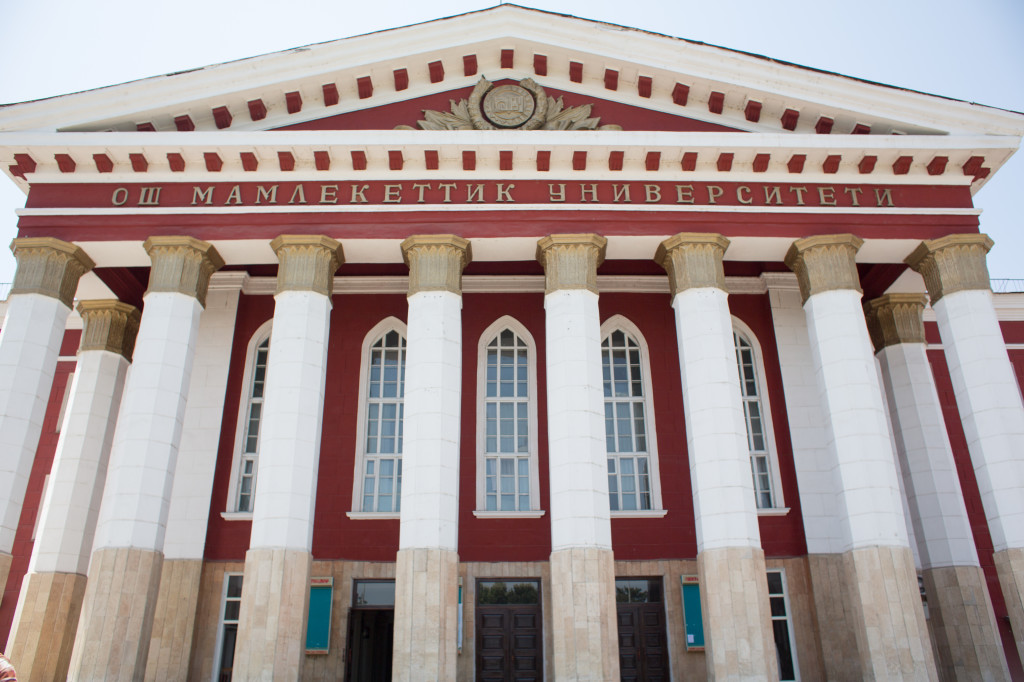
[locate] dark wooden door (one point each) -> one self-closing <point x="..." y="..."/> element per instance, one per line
<point x="509" y="644"/>
<point x="643" y="650"/>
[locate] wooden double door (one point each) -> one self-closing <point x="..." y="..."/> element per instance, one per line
<point x="643" y="646"/>
<point x="509" y="632"/>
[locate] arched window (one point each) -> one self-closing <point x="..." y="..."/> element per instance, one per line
<point x="507" y="477"/>
<point x="378" y="478"/>
<point x="757" y="417"/>
<point x="250" y="416"/>
<point x="628" y="419"/>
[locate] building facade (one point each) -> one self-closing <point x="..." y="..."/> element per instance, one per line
<point x="510" y="346"/>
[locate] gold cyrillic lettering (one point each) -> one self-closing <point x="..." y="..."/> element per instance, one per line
<point x="149" y="196"/>
<point x="714" y="191"/>
<point x="883" y="195"/>
<point x="270" y="195"/>
<point x="204" y="196"/>
<point x="799" y="194"/>
<point x="420" y="188"/>
<point x="328" y="194"/>
<point x="235" y="196"/>
<point x="298" y="195"/>
<point x="447" y="187"/>
<point x="741" y="191"/>
<point x="854" y="193"/>
<point x="588" y="190"/>
<point x="474" y="193"/>
<point x="652" y="193"/>
<point x="684" y="194"/>
<point x="827" y="196"/>
<point x="358" y="194"/>
<point x="773" y="195"/>
<point x="504" y="193"/>
<point x="558" y="194"/>
<point x="392" y="194"/>
<point x="621" y="194"/>
<point x="120" y="196"/>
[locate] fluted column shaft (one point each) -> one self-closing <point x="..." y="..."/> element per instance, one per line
<point x="426" y="574"/>
<point x="987" y="397"/>
<point x="124" y="572"/>
<point x="582" y="568"/>
<point x="275" y="588"/>
<point x="889" y="625"/>
<point x="30" y="337"/>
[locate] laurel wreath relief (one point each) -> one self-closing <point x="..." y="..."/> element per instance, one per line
<point x="549" y="113"/>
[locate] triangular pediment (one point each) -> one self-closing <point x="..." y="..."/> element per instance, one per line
<point x="706" y="87"/>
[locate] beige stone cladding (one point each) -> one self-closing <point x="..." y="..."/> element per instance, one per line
<point x="470" y="572"/>
<point x="45" y="622"/>
<point x="122" y="588"/>
<point x="275" y="602"/>
<point x="585" y="631"/>
<point x="426" y="597"/>
<point x="963" y="625"/>
<point x="886" y="614"/>
<point x="734" y="607"/>
<point x="1010" y="567"/>
<point x="170" y="647"/>
<point x="208" y="615"/>
<point x="5" y="567"/>
<point x="840" y="661"/>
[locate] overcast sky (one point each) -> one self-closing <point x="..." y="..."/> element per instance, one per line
<point x="967" y="50"/>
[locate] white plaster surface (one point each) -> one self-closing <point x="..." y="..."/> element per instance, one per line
<point x="937" y="510"/>
<point x="990" y="407"/>
<point x="67" y="523"/>
<point x="716" y="436"/>
<point x="868" y="498"/>
<point x="30" y="341"/>
<point x="806" y="420"/>
<point x="433" y="408"/>
<point x="577" y="455"/>
<point x="141" y="471"/>
<point x="200" y="436"/>
<point x="292" y="422"/>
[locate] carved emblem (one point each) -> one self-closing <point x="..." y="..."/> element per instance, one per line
<point x="522" y="107"/>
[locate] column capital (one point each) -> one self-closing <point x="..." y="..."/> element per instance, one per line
<point x="181" y="265"/>
<point x="895" y="318"/>
<point x="570" y="261"/>
<point x="307" y="263"/>
<point x="825" y="263"/>
<point x="49" y="266"/>
<point x="109" y="325"/>
<point x="952" y="263"/>
<point x="436" y="262"/>
<point x="693" y="260"/>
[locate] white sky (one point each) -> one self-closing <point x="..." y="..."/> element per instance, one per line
<point x="966" y="50"/>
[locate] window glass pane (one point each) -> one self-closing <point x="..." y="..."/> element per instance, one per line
<point x="507" y="592"/>
<point x="375" y="593"/>
<point x="235" y="587"/>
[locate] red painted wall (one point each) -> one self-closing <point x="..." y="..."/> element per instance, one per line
<point x="22" y="550"/>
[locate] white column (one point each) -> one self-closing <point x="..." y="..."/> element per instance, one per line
<point x="37" y="309"/>
<point x="50" y="602"/>
<point x="963" y="622"/>
<point x="889" y="625"/>
<point x="738" y="628"/>
<point x="987" y="396"/>
<point x="426" y="575"/>
<point x="127" y="552"/>
<point x="185" y="541"/>
<point x="275" y="589"/>
<point x="585" y="637"/>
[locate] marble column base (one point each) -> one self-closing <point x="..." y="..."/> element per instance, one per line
<point x="967" y="642"/>
<point x="5" y="569"/>
<point x="886" y="614"/>
<point x="117" y="615"/>
<point x="45" y="622"/>
<point x="272" y="624"/>
<point x="170" y="647"/>
<point x="1010" y="568"/>
<point x="835" y="629"/>
<point x="737" y="619"/>
<point x="584" y="628"/>
<point x="426" y="616"/>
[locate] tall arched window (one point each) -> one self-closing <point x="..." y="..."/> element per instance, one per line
<point x="628" y="419"/>
<point x="757" y="417"/>
<point x="378" y="477"/>
<point x="507" y="419"/>
<point x="245" y="465"/>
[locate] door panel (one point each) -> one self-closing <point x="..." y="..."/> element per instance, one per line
<point x="509" y="643"/>
<point x="643" y="649"/>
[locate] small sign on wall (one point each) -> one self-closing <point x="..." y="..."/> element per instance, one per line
<point x="318" y="625"/>
<point x="691" y="613"/>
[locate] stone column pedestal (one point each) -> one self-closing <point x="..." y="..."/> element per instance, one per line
<point x="585" y="637"/>
<point x="730" y="562"/>
<point x="45" y="622"/>
<point x="883" y="599"/>
<point x="30" y="337"/>
<point x="987" y="395"/>
<point x="124" y="574"/>
<point x="275" y="589"/>
<point x="426" y="577"/>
